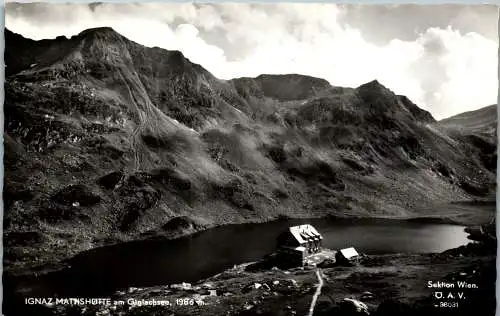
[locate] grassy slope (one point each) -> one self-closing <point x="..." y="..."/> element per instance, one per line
<point x="107" y="140"/>
<point x="481" y="120"/>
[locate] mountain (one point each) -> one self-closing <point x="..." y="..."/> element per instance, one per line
<point x="483" y="120"/>
<point x="108" y="141"/>
<point x="477" y="129"/>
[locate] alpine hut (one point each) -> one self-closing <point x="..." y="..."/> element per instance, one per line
<point x="297" y="242"/>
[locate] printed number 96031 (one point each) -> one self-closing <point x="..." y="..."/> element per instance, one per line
<point x="448" y="304"/>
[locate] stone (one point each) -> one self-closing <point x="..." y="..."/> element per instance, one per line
<point x="248" y="306"/>
<point x="183" y="286"/>
<point x="353" y="307"/>
<point x="327" y="263"/>
<point x="132" y="289"/>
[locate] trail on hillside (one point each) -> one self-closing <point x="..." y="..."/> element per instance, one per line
<point x="150" y="120"/>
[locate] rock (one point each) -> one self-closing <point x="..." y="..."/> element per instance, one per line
<point x="327" y="263"/>
<point x="367" y="295"/>
<point x="276" y="282"/>
<point x="212" y="292"/>
<point x="227" y="294"/>
<point x="351" y="306"/>
<point x="132" y="289"/>
<point x="207" y="285"/>
<point x="183" y="286"/>
<point x="247" y="288"/>
<point x="248" y="306"/>
<point x="289" y="283"/>
<point x="255" y="286"/>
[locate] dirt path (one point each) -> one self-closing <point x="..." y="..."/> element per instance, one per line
<point x="317" y="293"/>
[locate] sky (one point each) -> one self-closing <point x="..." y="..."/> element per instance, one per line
<point x="443" y="57"/>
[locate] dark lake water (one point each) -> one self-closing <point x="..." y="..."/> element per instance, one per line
<point x="140" y="264"/>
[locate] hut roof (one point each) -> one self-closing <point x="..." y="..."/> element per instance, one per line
<point x="302" y="233"/>
<point x="349" y="253"/>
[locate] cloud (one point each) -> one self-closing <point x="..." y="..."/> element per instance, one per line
<point x="440" y="68"/>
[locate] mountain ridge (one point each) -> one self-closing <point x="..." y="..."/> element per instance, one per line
<point x="111" y="141"/>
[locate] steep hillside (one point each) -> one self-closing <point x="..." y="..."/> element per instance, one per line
<point x="107" y="141"/>
<point x="477" y="133"/>
<point x="483" y="120"/>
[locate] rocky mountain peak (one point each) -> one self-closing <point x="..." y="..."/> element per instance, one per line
<point x="105" y="30"/>
<point x="373" y="89"/>
<point x="117" y="139"/>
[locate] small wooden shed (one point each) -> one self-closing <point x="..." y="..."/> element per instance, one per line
<point x="347" y="256"/>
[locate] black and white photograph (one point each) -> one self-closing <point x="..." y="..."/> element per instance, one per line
<point x="288" y="159"/>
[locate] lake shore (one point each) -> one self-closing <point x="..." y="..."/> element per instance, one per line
<point x="398" y="281"/>
<point x="384" y="283"/>
<point x="466" y="213"/>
